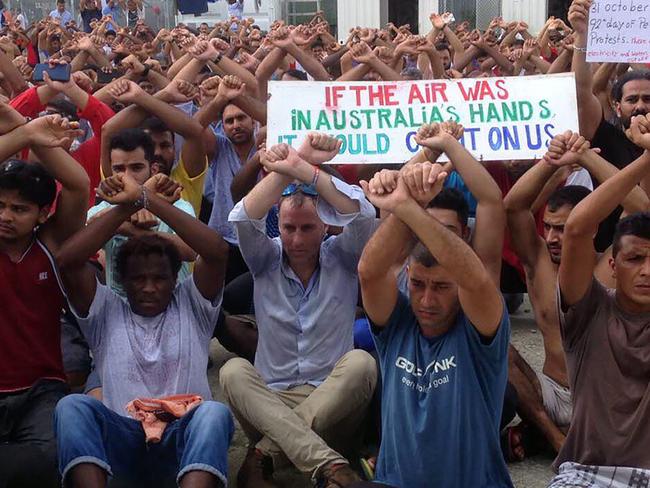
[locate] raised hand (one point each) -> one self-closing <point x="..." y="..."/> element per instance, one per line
<point x="164" y="187"/>
<point x="579" y="15"/>
<point x="319" y="148"/>
<point x="432" y="137"/>
<point x="181" y="91"/>
<point x="377" y="191"/>
<point x="126" y="91"/>
<point x="566" y="149"/>
<point x="210" y="86"/>
<point x="52" y="131"/>
<point x="231" y="87"/>
<point x="145" y="220"/>
<point x="453" y="128"/>
<point x="423" y="180"/>
<point x="362" y="53"/>
<point x="132" y="63"/>
<point x="639" y="131"/>
<point x="437" y="21"/>
<point x="282" y="159"/>
<point x="119" y="189"/>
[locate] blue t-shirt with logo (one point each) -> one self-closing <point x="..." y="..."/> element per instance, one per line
<point x="441" y="404"/>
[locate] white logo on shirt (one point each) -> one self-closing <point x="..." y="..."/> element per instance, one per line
<point x="432" y="369"/>
<point x="42" y="276"/>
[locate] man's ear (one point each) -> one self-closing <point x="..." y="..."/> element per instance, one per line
<point x="43" y="214"/>
<point x="467" y="233"/>
<point x="612" y="265"/>
<point x="617" y="107"/>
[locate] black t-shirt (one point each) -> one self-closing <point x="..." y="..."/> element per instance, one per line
<point x="614" y="145"/>
<point x="616" y="148"/>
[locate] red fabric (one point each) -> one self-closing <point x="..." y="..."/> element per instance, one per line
<point x="349" y="172"/>
<point x="32" y="55"/>
<point x="156" y="413"/>
<point x="30" y="321"/>
<point x="89" y="152"/>
<point x="505" y="183"/>
<point x="27" y="103"/>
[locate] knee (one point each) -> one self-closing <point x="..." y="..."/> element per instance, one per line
<point x="73" y="407"/>
<point x="361" y="369"/>
<point x="232" y="372"/>
<point x="213" y="416"/>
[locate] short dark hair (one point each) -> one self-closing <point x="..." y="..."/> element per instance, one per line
<point x="570" y="195"/>
<point x="296" y="73"/>
<point x="633" y="225"/>
<point x="452" y="199"/>
<point x="637" y="74"/>
<point x="441" y="46"/>
<point x="155" y="125"/>
<point x="65" y="108"/>
<point x="132" y="139"/>
<point x="423" y="256"/>
<point x="146" y="245"/>
<point x="31" y="180"/>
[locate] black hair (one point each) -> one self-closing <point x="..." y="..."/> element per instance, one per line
<point x="155" y="125"/>
<point x="296" y="73"/>
<point x="633" y="225"/>
<point x="452" y="199"/>
<point x="570" y="195"/>
<point x="441" y="46"/>
<point x="423" y="256"/>
<point x="637" y="74"/>
<point x="131" y="139"/>
<point x="64" y="108"/>
<point x="110" y="32"/>
<point x="412" y="73"/>
<point x="146" y="245"/>
<point x="31" y="180"/>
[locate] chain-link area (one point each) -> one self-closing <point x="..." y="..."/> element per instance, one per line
<point x="478" y="13"/>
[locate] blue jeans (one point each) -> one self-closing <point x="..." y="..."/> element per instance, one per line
<point x="89" y="432"/>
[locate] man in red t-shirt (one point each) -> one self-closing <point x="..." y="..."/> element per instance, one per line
<point x="31" y="371"/>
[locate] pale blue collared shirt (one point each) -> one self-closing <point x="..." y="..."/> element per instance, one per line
<point x="304" y="331"/>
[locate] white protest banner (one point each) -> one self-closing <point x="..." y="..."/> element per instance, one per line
<point x="504" y="118"/>
<point x="619" y="31"/>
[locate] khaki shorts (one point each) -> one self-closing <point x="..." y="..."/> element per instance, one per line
<point x="557" y="400"/>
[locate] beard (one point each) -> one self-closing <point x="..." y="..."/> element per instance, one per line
<point x="627" y="121"/>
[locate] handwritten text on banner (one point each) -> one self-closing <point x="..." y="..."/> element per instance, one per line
<point x="619" y="31"/>
<point x="504" y="118"/>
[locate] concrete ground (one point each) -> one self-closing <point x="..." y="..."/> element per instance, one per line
<point x="532" y="473"/>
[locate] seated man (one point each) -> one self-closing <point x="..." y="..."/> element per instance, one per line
<point x="605" y="337"/>
<point x="32" y="375"/>
<point x="544" y="397"/>
<point x="152" y="345"/>
<point x="443" y="351"/>
<point x="308" y="390"/>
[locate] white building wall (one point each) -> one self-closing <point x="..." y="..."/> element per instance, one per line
<point x="531" y="11"/>
<point x="363" y="13"/>
<point x="426" y="8"/>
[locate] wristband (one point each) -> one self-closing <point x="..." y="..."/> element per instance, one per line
<point x="580" y="49"/>
<point x="314" y="180"/>
<point x="145" y="73"/>
<point x="143" y="201"/>
<point x="218" y="59"/>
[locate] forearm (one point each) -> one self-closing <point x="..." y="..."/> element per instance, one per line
<point x="389" y="246"/>
<point x="307" y="61"/>
<point x="355" y="74"/>
<point x="265" y="194"/>
<point x="10" y="119"/>
<point x="602" y="76"/>
<point x="460" y="62"/>
<point x="13" y="142"/>
<point x="244" y="181"/>
<point x="79" y="61"/>
<point x="211" y="111"/>
<point x="269" y="64"/>
<point x="229" y="66"/>
<point x="454" y="42"/>
<point x="523" y="194"/>
<point x="450" y="251"/>
<point x="437" y="69"/>
<point x="84" y="244"/>
<point x="99" y="57"/>
<point x="11" y="74"/>
<point x="253" y="107"/>
<point x="178" y="65"/>
<point x="198" y="236"/>
<point x="476" y="177"/>
<point x="590" y="212"/>
<point x="158" y="80"/>
<point x="78" y="96"/>
<point x="635" y="201"/>
<point x="542" y="65"/>
<point x="385" y="71"/>
<point x="561" y="63"/>
<point x="335" y="58"/>
<point x="176" y="120"/>
<point x="190" y="70"/>
<point x="499" y="58"/>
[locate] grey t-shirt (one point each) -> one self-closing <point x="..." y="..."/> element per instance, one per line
<point x="608" y="361"/>
<point x="151" y="356"/>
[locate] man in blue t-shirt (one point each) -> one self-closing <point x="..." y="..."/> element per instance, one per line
<point x="443" y="352"/>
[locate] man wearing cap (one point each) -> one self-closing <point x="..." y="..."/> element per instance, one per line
<point x="308" y="389"/>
